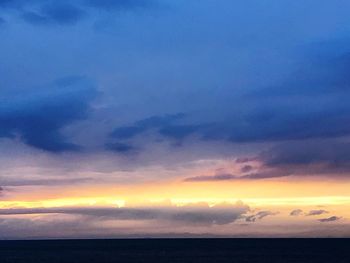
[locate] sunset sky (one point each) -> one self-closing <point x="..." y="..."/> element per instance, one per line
<point x="174" y="118"/>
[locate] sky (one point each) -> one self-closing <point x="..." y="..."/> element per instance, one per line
<point x="163" y="118"/>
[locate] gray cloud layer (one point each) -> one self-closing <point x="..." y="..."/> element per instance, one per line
<point x="192" y="214"/>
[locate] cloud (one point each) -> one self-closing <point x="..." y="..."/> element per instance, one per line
<point x="109" y="5"/>
<point x="336" y="157"/>
<point x="310" y="107"/>
<point x="180" y="132"/>
<point x="317" y="212"/>
<point x="208" y="178"/>
<point x="296" y="212"/>
<point x="37" y="119"/>
<point x="260" y="215"/>
<point x="41" y="12"/>
<point x="299" y="105"/>
<point x="247" y="168"/>
<point x="263" y="174"/>
<point x="54" y="13"/>
<point x="195" y="214"/>
<point x="329" y="219"/>
<point x="302" y="158"/>
<point x="167" y="126"/>
<point x="44" y="182"/>
<point x="122" y="148"/>
<point x="311" y="103"/>
<point x="141" y="126"/>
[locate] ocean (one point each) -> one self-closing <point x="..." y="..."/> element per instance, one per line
<point x="177" y="250"/>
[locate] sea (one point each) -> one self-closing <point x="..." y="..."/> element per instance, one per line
<point x="177" y="250"/>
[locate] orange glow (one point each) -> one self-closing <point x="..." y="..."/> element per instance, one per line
<point x="257" y="193"/>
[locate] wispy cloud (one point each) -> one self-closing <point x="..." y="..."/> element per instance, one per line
<point x="329" y="219"/>
<point x="209" y="178"/>
<point x="260" y="215"/>
<point x="317" y="212"/>
<point x="296" y="212"/>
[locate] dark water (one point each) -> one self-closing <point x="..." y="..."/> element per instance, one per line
<point x="177" y="250"/>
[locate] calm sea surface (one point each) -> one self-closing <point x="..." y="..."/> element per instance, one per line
<point x="177" y="250"/>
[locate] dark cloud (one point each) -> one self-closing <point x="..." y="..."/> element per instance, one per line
<point x="312" y="103"/>
<point x="247" y="168"/>
<point x="122" y="148"/>
<point x="308" y="158"/>
<point x="296" y="212"/>
<point x="191" y="214"/>
<point x="324" y="71"/>
<point x="311" y="152"/>
<point x="265" y="174"/>
<point x="162" y="125"/>
<point x="141" y="126"/>
<point x="44" y="182"/>
<point x="311" y="158"/>
<point x="250" y="176"/>
<point x="317" y="212"/>
<point x="128" y="132"/>
<point x="109" y="5"/>
<point x="209" y="178"/>
<point x="260" y="215"/>
<point x="329" y="219"/>
<point x="37" y="119"/>
<point x="304" y="158"/>
<point x="180" y="132"/>
<point x="41" y="12"/>
<point x="167" y="126"/>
